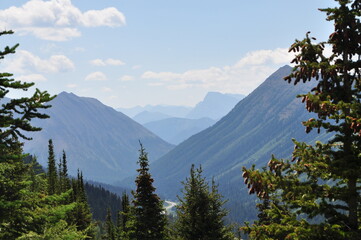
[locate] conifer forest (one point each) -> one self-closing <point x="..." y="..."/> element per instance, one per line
<point x="313" y="194"/>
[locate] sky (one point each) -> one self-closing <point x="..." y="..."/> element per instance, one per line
<point x="138" y="52"/>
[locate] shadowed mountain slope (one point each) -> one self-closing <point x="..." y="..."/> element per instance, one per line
<point x="98" y="140"/>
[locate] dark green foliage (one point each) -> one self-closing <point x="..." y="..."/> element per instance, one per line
<point x="34" y="163"/>
<point x="149" y="217"/>
<point x="123" y="218"/>
<point x="15" y="117"/>
<point x="99" y="198"/>
<point x="110" y="231"/>
<point x="80" y="215"/>
<point x="64" y="182"/>
<point x="16" y="114"/>
<point x="52" y="172"/>
<point x="200" y="212"/>
<point x="322" y="181"/>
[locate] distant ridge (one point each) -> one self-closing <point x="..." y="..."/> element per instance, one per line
<point x="260" y="125"/>
<point x="146" y="117"/>
<point x="215" y="105"/>
<point x="176" y="130"/>
<point x="100" y="141"/>
<point x="173" y="111"/>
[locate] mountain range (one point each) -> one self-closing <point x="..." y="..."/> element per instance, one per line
<point x="146" y="117"/>
<point x="104" y="143"/>
<point x="176" y="130"/>
<point x="215" y="105"/>
<point x="98" y="140"/>
<point x="260" y="125"/>
<point x="169" y="110"/>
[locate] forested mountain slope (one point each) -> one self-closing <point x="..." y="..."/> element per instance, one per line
<point x="100" y="141"/>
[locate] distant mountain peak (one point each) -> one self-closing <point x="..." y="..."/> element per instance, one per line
<point x="215" y="105"/>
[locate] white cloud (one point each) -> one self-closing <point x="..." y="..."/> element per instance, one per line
<point x="242" y="77"/>
<point x="107" y="62"/>
<point x="96" y="76"/>
<point x="97" y="62"/>
<point x="32" y="78"/>
<point x="26" y="62"/>
<point x="135" y="67"/>
<point x="51" y="34"/>
<point x="110" y="17"/>
<point x="114" y="62"/>
<point x="57" y="20"/>
<point x="126" y="78"/>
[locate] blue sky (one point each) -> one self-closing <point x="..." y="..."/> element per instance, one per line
<point x="138" y="52"/>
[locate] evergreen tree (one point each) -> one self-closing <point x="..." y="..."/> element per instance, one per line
<point x="52" y="172"/>
<point x="81" y="215"/>
<point x="200" y="212"/>
<point x="150" y="220"/>
<point x="65" y="183"/>
<point x="123" y="218"/>
<point x="15" y="117"/>
<point x="322" y="181"/>
<point x="109" y="227"/>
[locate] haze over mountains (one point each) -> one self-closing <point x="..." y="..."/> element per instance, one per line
<point x="260" y="125"/>
<point x="215" y="105"/>
<point x="98" y="140"/>
<point x="176" y="123"/>
<point x="174" y="111"/>
<point x="146" y="117"/>
<point x="176" y="130"/>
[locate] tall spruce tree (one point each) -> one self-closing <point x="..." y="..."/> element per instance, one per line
<point x="81" y="215"/>
<point x="149" y="217"/>
<point x="110" y="233"/>
<point x="124" y="218"/>
<point x="52" y="172"/>
<point x="200" y="212"/>
<point x="322" y="181"/>
<point x="15" y="117"/>
<point x="63" y="174"/>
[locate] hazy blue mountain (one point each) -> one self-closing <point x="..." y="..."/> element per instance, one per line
<point x="173" y="111"/>
<point x="260" y="125"/>
<point x="215" y="105"/>
<point x="98" y="140"/>
<point x="176" y="130"/>
<point x="146" y="117"/>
